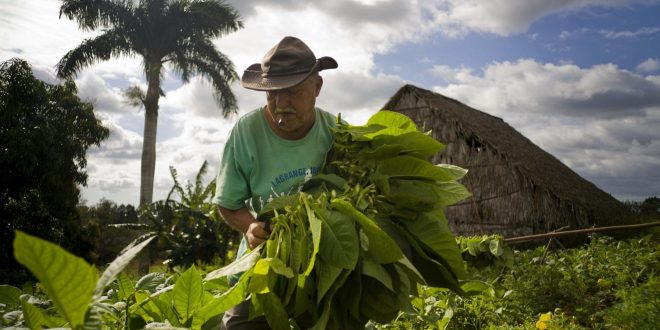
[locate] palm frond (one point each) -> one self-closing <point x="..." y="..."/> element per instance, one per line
<point x="177" y="186"/>
<point x="179" y="63"/>
<point x="94" y="14"/>
<point x="110" y="44"/>
<point x="213" y="18"/>
<point x="134" y="96"/>
<point x="204" y="59"/>
<point x="200" y="175"/>
<point x="209" y="191"/>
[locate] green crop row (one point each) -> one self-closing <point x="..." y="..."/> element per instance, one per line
<point x="606" y="284"/>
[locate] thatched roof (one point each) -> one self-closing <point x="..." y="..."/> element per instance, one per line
<point x="543" y="169"/>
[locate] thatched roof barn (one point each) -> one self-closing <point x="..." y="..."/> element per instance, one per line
<point x="517" y="188"/>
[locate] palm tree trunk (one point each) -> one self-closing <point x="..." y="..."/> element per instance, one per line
<point x="149" y="139"/>
<point x="149" y="148"/>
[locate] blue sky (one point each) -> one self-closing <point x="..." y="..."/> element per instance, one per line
<point x="580" y="78"/>
<point x="625" y="36"/>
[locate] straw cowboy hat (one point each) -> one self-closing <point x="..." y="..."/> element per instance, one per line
<point x="285" y="65"/>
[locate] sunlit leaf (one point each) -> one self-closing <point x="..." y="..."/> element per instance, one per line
<point x="187" y="293"/>
<point x="118" y="265"/>
<point x="68" y="280"/>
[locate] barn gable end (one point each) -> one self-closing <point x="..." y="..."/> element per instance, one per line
<point x="517" y="187"/>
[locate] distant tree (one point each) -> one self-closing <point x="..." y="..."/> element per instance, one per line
<point x="650" y="206"/>
<point x="108" y="241"/>
<point x="45" y="131"/>
<point x="176" y="32"/>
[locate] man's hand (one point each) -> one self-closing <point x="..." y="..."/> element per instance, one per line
<point x="256" y="234"/>
<point x="255" y="231"/>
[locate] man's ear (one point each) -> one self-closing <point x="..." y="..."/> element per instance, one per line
<point x="319" y="84"/>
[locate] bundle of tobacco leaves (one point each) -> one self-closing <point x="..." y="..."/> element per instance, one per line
<point x="354" y="245"/>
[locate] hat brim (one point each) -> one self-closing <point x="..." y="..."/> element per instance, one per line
<point x="253" y="78"/>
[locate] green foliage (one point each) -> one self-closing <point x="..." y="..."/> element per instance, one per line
<point x="108" y="241"/>
<point x="485" y="250"/>
<point x="188" y="226"/>
<point x="637" y="308"/>
<point x="605" y="284"/>
<point x="353" y="246"/>
<point x="68" y="280"/>
<point x="496" y="297"/>
<point x="45" y="131"/>
<point x="647" y="210"/>
<point x="71" y="286"/>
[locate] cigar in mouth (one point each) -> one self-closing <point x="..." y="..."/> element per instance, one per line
<point x="281" y="120"/>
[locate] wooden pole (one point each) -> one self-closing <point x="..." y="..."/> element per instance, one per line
<point x="514" y="240"/>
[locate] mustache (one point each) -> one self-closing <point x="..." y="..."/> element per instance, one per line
<point x="282" y="111"/>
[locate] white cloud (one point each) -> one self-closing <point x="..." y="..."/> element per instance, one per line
<point x="601" y="121"/>
<point x="650" y="65"/>
<point x="610" y="34"/>
<point x="603" y="91"/>
<point x="573" y="34"/>
<point x="456" y="18"/>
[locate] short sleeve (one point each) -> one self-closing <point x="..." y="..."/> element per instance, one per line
<point x="232" y="186"/>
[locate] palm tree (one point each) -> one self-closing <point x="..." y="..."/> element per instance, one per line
<point x="178" y="33"/>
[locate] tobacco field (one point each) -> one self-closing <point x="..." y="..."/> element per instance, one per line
<point x="365" y="244"/>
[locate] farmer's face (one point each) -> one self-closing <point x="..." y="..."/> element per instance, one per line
<point x="291" y="111"/>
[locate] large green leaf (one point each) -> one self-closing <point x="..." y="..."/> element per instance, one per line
<point x="117" y="266"/>
<point x="326" y="274"/>
<point x="381" y="152"/>
<point x="68" y="280"/>
<point x="279" y="267"/>
<point x="418" y="144"/>
<point x="381" y="246"/>
<point x="327" y="303"/>
<point x="432" y="230"/>
<point x="378" y="303"/>
<point x="403" y="285"/>
<point x="454" y="171"/>
<point x="392" y="119"/>
<point x="220" y="304"/>
<point x="425" y="195"/>
<point x="125" y="286"/>
<point x="239" y="266"/>
<point x="33" y="316"/>
<point x="377" y="272"/>
<point x="305" y="288"/>
<point x="330" y="181"/>
<point x="389" y="131"/>
<point x="165" y="303"/>
<point x="359" y="133"/>
<point x="412" y="167"/>
<point x="187" y="293"/>
<point x="434" y="272"/>
<point x="150" y="282"/>
<point x="339" y="240"/>
<point x="315" y="226"/>
<point x="415" y="194"/>
<point x="262" y="281"/>
<point x="275" y="313"/>
<point x="9" y="296"/>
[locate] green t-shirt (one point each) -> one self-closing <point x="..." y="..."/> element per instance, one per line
<point x="257" y="165"/>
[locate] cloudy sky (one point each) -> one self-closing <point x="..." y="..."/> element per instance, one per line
<point x="580" y="78"/>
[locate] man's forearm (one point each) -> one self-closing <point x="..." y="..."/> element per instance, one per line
<point x="241" y="219"/>
<point x="238" y="219"/>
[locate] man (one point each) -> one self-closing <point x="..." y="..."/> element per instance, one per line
<point x="272" y="150"/>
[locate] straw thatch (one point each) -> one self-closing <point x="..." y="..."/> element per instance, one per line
<point x="518" y="189"/>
